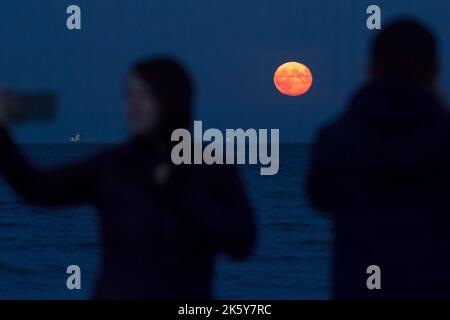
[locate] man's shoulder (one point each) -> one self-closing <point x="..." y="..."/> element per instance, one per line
<point x="332" y="132"/>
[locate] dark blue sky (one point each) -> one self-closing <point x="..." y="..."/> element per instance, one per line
<point x="231" y="47"/>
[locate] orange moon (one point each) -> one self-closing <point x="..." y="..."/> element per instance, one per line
<point x="293" y="79"/>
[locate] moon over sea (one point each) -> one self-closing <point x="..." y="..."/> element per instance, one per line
<point x="293" y="79"/>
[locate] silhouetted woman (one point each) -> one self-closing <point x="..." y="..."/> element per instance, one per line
<point x="161" y="225"/>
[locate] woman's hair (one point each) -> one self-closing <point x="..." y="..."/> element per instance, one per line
<point x="171" y="86"/>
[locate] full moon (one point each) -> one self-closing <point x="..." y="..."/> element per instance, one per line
<point x="293" y="79"/>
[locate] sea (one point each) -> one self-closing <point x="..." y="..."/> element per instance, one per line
<point x="291" y="261"/>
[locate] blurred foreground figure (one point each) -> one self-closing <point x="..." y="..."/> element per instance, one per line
<point x="382" y="172"/>
<point x="161" y="225"/>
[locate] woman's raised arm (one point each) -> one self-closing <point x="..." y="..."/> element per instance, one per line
<point x="73" y="184"/>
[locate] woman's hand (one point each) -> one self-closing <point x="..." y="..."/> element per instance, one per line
<point x="8" y="101"/>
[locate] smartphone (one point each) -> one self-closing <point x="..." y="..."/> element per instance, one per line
<point x="33" y="106"/>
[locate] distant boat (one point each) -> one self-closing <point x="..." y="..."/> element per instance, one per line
<point x="76" y="138"/>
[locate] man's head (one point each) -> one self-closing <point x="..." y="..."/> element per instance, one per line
<point x="405" y="49"/>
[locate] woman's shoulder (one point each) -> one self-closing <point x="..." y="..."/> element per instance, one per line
<point x="111" y="153"/>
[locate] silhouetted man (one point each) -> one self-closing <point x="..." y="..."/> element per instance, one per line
<point x="382" y="172"/>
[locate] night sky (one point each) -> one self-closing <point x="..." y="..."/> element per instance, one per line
<point x="231" y="48"/>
